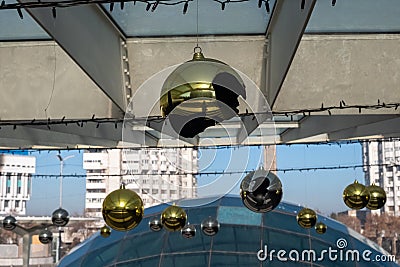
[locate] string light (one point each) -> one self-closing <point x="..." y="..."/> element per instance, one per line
<point x="284" y="170"/>
<point x="116" y="121"/>
<point x="149" y="4"/>
<point x="303" y="3"/>
<point x="31" y="150"/>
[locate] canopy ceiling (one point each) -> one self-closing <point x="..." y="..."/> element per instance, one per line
<point x="101" y="58"/>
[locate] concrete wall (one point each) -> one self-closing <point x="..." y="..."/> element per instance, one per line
<point x="359" y="69"/>
<point x="28" y="72"/>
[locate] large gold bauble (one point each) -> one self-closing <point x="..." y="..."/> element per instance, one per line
<point x="105" y="231"/>
<point x="261" y="191"/>
<point x="173" y="218"/>
<point x="122" y="209"/>
<point x="356" y="196"/>
<point x="320" y="228"/>
<point x="306" y="218"/>
<point x="212" y="87"/>
<point x="377" y="197"/>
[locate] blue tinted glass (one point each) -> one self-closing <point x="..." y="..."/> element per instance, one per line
<point x="132" y="247"/>
<point x="237" y="238"/>
<point x="231" y="201"/>
<point x="234" y="260"/>
<point x="15" y="28"/>
<point x="237" y="18"/>
<point x="147" y="262"/>
<point x="176" y="243"/>
<point x="355" y="16"/>
<point x="185" y="260"/>
<point x="241" y="216"/>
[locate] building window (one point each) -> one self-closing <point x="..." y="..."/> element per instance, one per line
<point x="17" y="203"/>
<point x="28" y="183"/>
<point x="8" y="183"/>
<point x="6" y="203"/>
<point x="19" y="183"/>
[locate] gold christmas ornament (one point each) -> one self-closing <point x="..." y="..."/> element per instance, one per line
<point x="60" y="217"/>
<point x="356" y="196"/>
<point x="320" y="228"/>
<point x="173" y="218"/>
<point x="105" y="231"/>
<point x="261" y="191"/>
<point x="199" y="93"/>
<point x="45" y="236"/>
<point x="122" y="209"/>
<point x="9" y="223"/>
<point x="377" y="197"/>
<point x="306" y="218"/>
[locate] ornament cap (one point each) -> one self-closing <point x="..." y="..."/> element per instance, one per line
<point x="198" y="55"/>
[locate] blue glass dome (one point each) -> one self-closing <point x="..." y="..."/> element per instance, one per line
<point x="242" y="240"/>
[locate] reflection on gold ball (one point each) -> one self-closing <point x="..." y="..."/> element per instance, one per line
<point x="306" y="218"/>
<point x="377" y="197"/>
<point x="320" y="228"/>
<point x="199" y="93"/>
<point x="356" y="196"/>
<point x="173" y="218"/>
<point x="122" y="209"/>
<point x="105" y="231"/>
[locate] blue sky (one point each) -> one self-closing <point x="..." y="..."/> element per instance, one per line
<point x="321" y="189"/>
<point x="45" y="196"/>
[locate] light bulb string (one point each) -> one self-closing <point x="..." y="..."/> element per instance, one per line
<point x="207" y="173"/>
<point x="31" y="150"/>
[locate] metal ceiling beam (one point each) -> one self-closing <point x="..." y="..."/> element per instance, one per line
<point x="321" y="124"/>
<point x="25" y="137"/>
<point x="92" y="41"/>
<point x="284" y="33"/>
<point x="384" y="128"/>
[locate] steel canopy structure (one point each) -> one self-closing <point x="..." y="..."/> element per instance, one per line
<point x="346" y="58"/>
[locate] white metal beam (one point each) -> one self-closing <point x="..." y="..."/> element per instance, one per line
<point x="321" y="124"/>
<point x="284" y="32"/>
<point x="27" y="137"/>
<point x="92" y="41"/>
<point x="383" y="128"/>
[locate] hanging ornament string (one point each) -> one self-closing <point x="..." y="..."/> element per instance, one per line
<point x="197" y="23"/>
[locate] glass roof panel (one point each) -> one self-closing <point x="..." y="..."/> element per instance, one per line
<point x="232" y="260"/>
<point x="243" y="216"/>
<point x="132" y="248"/>
<point x="237" y="18"/>
<point x="355" y="16"/>
<point x="181" y="260"/>
<point x="242" y="238"/>
<point x="19" y="29"/>
<point x="234" y="245"/>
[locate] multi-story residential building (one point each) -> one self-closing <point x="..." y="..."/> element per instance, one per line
<point x="157" y="175"/>
<point x="381" y="160"/>
<point x="15" y="183"/>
